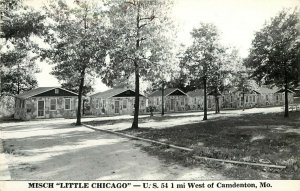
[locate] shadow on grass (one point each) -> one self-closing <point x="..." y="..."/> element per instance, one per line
<point x="155" y="118"/>
<point x="264" y="138"/>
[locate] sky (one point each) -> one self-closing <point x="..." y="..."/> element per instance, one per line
<point x="237" y="21"/>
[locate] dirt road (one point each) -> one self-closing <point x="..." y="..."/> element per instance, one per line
<point x="56" y="150"/>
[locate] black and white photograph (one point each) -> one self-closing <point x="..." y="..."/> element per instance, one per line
<point x="174" y="90"/>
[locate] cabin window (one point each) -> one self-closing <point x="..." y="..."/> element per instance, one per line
<point x="23" y="104"/>
<point x="103" y="103"/>
<point x="231" y="98"/>
<point x="246" y="99"/>
<point x="97" y="103"/>
<point x="182" y="101"/>
<point x="28" y="107"/>
<point x="157" y="101"/>
<point x="142" y="104"/>
<point x="56" y="91"/>
<point x="52" y="104"/>
<point x="67" y="103"/>
<point x="209" y="103"/>
<point x="195" y="100"/>
<point x="254" y="98"/>
<point x="125" y="104"/>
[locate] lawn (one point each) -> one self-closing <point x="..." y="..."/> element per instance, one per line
<point x="261" y="138"/>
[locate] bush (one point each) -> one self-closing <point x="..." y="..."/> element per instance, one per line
<point x="151" y="109"/>
<point x="7" y="104"/>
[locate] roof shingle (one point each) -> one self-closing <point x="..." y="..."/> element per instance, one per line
<point x="34" y="92"/>
<point x="111" y="93"/>
<point x="166" y="92"/>
<point x="196" y="92"/>
<point x="38" y="91"/>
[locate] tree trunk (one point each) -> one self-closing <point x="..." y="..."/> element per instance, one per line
<point x="1" y="74"/>
<point x="162" y="99"/>
<point x="18" y="81"/>
<point x="83" y="102"/>
<point x="216" y="104"/>
<point x="135" y="123"/>
<point x="243" y="101"/>
<point x="286" y="101"/>
<point x="18" y="85"/>
<point x="205" y="100"/>
<point x="82" y="75"/>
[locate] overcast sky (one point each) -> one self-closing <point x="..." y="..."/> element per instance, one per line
<point x="237" y="20"/>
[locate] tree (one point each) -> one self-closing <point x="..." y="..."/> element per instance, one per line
<point x="243" y="83"/>
<point x="70" y="82"/>
<point x="78" y="42"/>
<point x="275" y="52"/>
<point x="142" y="30"/>
<point x="202" y="56"/>
<point x="161" y="77"/>
<point x="20" y="75"/>
<point x="18" y="67"/>
<point x="219" y="75"/>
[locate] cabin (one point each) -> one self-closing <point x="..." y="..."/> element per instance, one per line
<point x="175" y="100"/>
<point x="279" y="97"/>
<point x="196" y="100"/>
<point x="116" y="101"/>
<point x="257" y="97"/>
<point x="213" y="98"/>
<point x="46" y="102"/>
<point x="233" y="98"/>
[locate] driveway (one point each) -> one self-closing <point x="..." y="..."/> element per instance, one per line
<point x="57" y="150"/>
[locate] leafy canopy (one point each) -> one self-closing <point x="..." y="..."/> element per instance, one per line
<point x="275" y="53"/>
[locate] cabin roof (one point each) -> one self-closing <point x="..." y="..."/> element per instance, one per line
<point x="40" y="90"/>
<point x="265" y="90"/>
<point x="167" y="92"/>
<point x="196" y="92"/>
<point x="112" y="93"/>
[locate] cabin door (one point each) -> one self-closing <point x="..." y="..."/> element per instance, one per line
<point x="172" y="104"/>
<point x="117" y="107"/>
<point x="41" y="108"/>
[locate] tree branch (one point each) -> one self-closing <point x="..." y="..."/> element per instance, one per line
<point x="148" y="18"/>
<point x="143" y="38"/>
<point x="129" y="2"/>
<point x="143" y="25"/>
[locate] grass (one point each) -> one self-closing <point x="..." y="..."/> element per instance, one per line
<point x="263" y="138"/>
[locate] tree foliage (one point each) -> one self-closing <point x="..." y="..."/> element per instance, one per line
<point x="78" y="43"/>
<point x="275" y="53"/>
<point x="141" y="40"/>
<point x="201" y="59"/>
<point x="18" y="66"/>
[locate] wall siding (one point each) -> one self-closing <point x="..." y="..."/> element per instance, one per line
<point x="30" y="109"/>
<point x="109" y="107"/>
